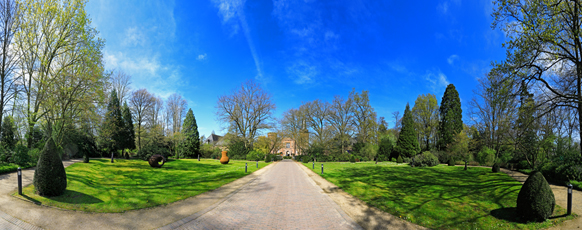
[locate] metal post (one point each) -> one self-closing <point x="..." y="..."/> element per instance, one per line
<point x="19" y="172"/>
<point x="111" y="157"/>
<point x="198" y="157"/>
<point x="570" y="199"/>
<point x="321" y="169"/>
<point x="313" y="166"/>
<point x="245" y="167"/>
<point x="257" y="164"/>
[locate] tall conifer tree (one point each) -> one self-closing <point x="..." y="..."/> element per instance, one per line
<point x="112" y="129"/>
<point x="129" y="133"/>
<point x="407" y="144"/>
<point x="451" y="117"/>
<point x="191" y="145"/>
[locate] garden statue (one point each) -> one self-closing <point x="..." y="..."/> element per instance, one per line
<point x="224" y="159"/>
<point x="155" y="159"/>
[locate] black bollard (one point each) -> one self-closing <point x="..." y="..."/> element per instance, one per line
<point x="111" y="157"/>
<point x="313" y="166"/>
<point x="257" y="164"/>
<point x="570" y="199"/>
<point x="19" y="172"/>
<point x="321" y="169"/>
<point x="245" y="167"/>
<point x="198" y="157"/>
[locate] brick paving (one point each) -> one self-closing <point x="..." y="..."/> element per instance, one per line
<point x="282" y="198"/>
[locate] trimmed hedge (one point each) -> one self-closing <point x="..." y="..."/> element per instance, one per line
<point x="535" y="200"/>
<point x="50" y="178"/>
<point x="425" y="159"/>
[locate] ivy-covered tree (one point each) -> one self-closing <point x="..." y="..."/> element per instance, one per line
<point x="191" y="144"/>
<point x="129" y="133"/>
<point x="112" y="128"/>
<point x="8" y="130"/>
<point x="407" y="144"/>
<point x="451" y="117"/>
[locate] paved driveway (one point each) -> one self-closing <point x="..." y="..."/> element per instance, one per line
<point x="282" y="198"/>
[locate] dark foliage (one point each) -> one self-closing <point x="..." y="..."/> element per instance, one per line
<point x="191" y="145"/>
<point x="352" y="159"/>
<point x="495" y="168"/>
<point x="407" y="144"/>
<point x="535" y="200"/>
<point x="451" y="117"/>
<point x="50" y="178"/>
<point x="451" y="161"/>
<point x="112" y="130"/>
<point x="128" y="129"/>
<point x="237" y="148"/>
<point x="20" y="155"/>
<point x="8" y="130"/>
<point x="384" y="149"/>
<point x="153" y="149"/>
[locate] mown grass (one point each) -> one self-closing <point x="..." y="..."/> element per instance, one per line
<point x="440" y="197"/>
<point x="101" y="186"/>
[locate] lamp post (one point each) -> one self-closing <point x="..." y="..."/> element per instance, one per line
<point x="313" y="167"/>
<point x="321" y="169"/>
<point x="570" y="199"/>
<point x="245" y="167"/>
<point x="257" y="164"/>
<point x="19" y="172"/>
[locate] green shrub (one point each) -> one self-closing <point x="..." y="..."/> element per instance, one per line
<point x="365" y="159"/>
<point x="451" y="161"/>
<point x="352" y="159"/>
<point x="305" y="159"/>
<point x="495" y="167"/>
<point x="406" y="160"/>
<point x="268" y="158"/>
<point x="425" y="159"/>
<point x="34" y="154"/>
<point x="399" y="160"/>
<point x="393" y="159"/>
<point x="535" y="200"/>
<point x="473" y="163"/>
<point x="50" y="178"/>
<point x="152" y="149"/>
<point x="85" y="158"/>
<point x="21" y="156"/>
<point x="486" y="156"/>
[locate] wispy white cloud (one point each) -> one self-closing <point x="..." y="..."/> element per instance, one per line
<point x="437" y="81"/>
<point x="230" y="11"/>
<point x="302" y="72"/>
<point x="201" y="57"/>
<point x="444" y="6"/>
<point x="452" y="58"/>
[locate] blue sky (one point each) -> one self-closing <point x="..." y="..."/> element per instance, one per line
<point x="299" y="51"/>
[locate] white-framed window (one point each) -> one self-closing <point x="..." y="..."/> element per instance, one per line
<point x="287" y="145"/>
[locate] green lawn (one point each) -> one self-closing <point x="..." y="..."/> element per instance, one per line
<point x="440" y="197"/>
<point x="101" y="186"/>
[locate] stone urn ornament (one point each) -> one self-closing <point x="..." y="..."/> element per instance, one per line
<point x="224" y="159"/>
<point x="155" y="160"/>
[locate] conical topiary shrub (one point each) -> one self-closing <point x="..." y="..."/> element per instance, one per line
<point x="451" y="161"/>
<point x="495" y="168"/>
<point x="50" y="178"/>
<point x="535" y="200"/>
<point x="352" y="159"/>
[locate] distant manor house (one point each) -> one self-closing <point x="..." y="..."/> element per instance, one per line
<point x="287" y="147"/>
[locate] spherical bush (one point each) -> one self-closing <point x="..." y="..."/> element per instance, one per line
<point x="495" y="167"/>
<point x="50" y="178"/>
<point x="535" y="200"/>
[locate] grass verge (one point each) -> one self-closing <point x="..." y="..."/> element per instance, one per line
<point x="439" y="197"/>
<point x="101" y="186"/>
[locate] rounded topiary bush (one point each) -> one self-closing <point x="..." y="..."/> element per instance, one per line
<point x="352" y="159"/>
<point x="268" y="158"/>
<point x="50" y="178"/>
<point x="305" y="159"/>
<point x="535" y="200"/>
<point x="495" y="167"/>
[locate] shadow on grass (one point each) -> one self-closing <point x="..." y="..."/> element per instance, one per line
<point x="507" y="214"/>
<point x="74" y="197"/>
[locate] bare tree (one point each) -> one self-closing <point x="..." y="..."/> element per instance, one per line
<point x="246" y="110"/>
<point x="9" y="25"/>
<point x="341" y="119"/>
<point x="364" y="116"/>
<point x="141" y="101"/>
<point x="120" y="82"/>
<point x="317" y="114"/>
<point x="176" y="106"/>
<point x="294" y="124"/>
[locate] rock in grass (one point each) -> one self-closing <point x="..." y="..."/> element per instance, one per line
<point x="535" y="200"/>
<point x="50" y="178"/>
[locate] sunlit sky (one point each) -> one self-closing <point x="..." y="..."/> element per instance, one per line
<point x="299" y="51"/>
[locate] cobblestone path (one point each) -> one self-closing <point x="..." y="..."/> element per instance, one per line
<point x="281" y="198"/>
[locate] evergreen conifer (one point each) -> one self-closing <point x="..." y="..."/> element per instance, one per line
<point x="191" y="145"/>
<point x="129" y="133"/>
<point x="451" y="117"/>
<point x="407" y="144"/>
<point x="113" y="128"/>
<point x="50" y="178"/>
